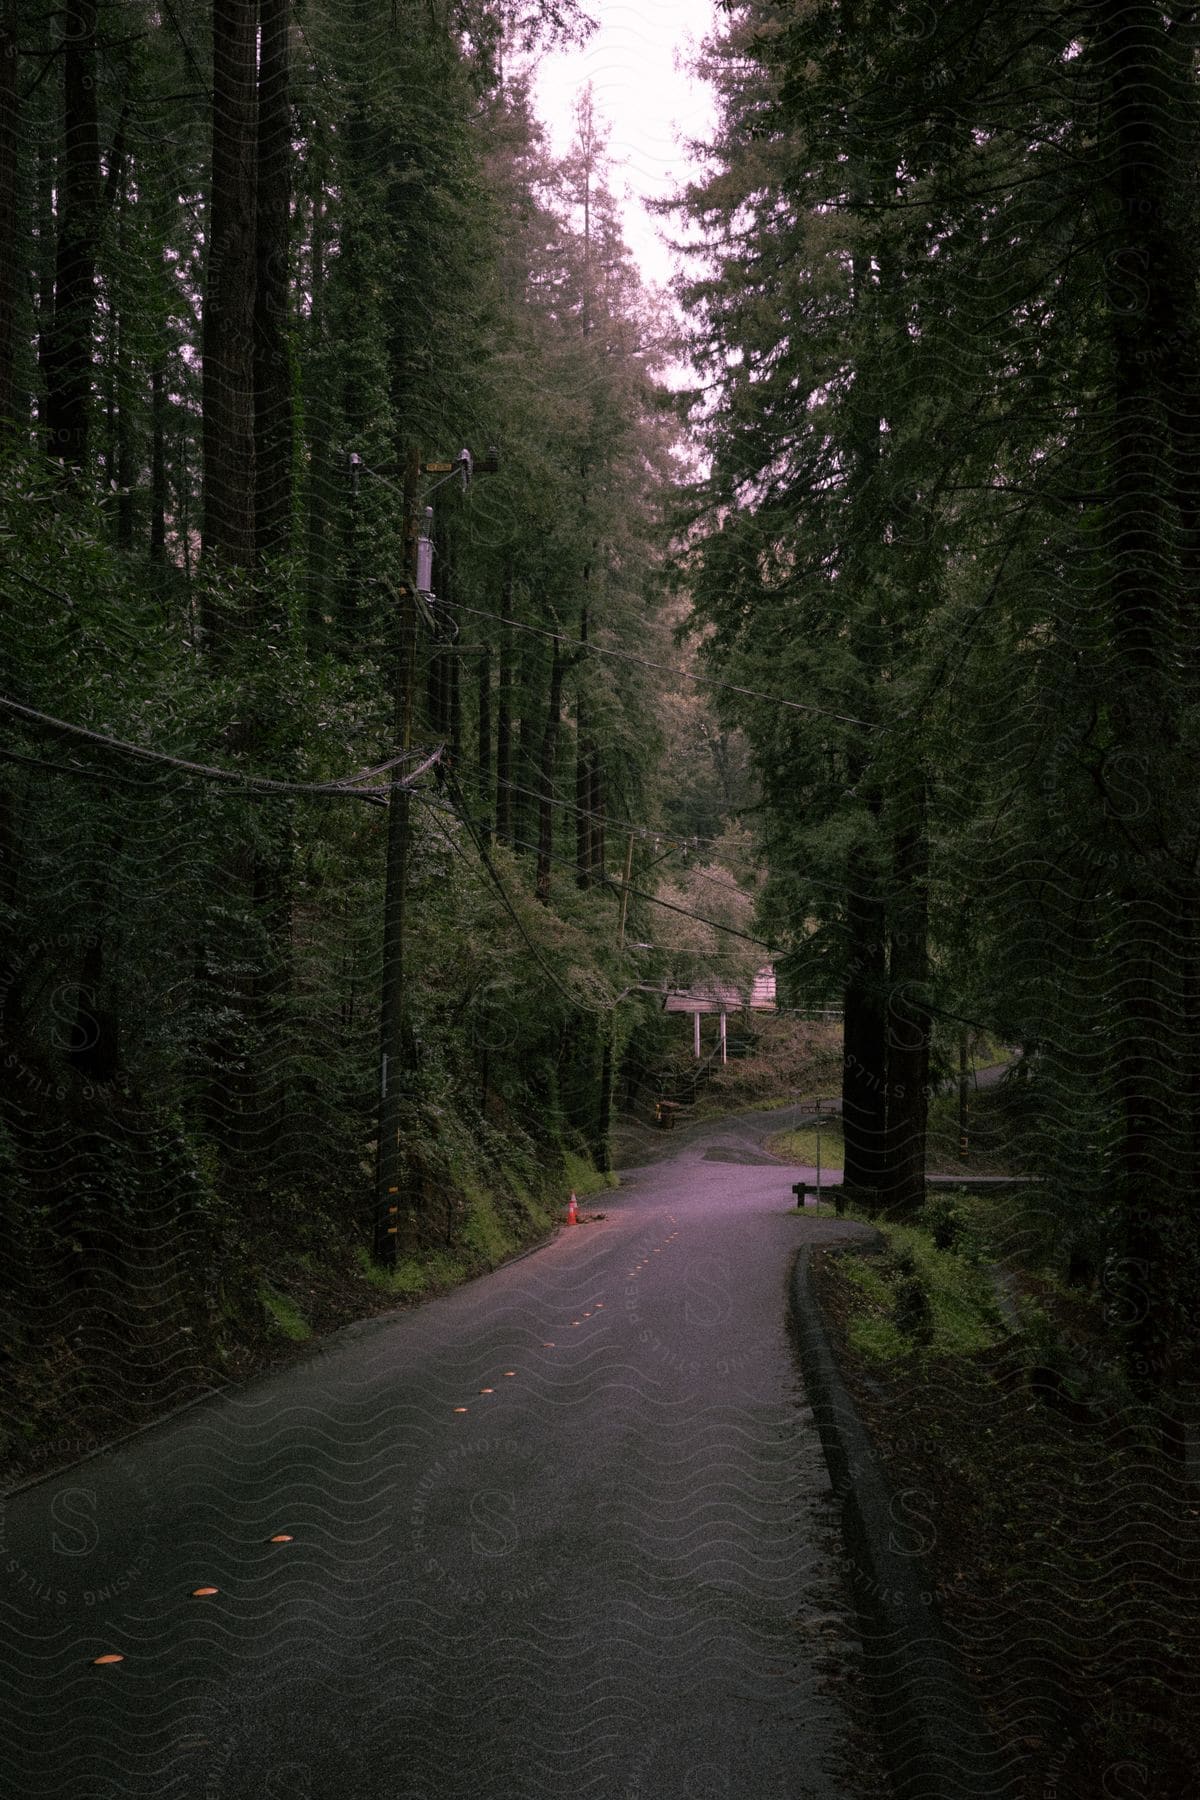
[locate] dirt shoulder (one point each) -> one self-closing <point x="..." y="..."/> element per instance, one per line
<point x="1063" y="1544"/>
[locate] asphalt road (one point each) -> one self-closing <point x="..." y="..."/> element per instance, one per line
<point x="564" y="1532"/>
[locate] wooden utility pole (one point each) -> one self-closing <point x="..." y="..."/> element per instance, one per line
<point x="396" y="1223"/>
<point x="395" y="1215"/>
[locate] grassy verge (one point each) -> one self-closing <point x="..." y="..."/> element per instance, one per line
<point x="800" y="1146"/>
<point x="918" y="1300"/>
<point x="1064" y="1545"/>
<point x="993" y="1145"/>
<point x="284" y="1314"/>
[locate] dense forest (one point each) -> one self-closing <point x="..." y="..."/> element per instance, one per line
<point x="945" y="326"/>
<point x="332" y="748"/>
<point x="427" y="648"/>
<point x="363" y="582"/>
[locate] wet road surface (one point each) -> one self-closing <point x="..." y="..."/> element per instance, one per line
<point x="565" y="1531"/>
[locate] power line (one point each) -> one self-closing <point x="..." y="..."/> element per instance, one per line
<point x="653" y="900"/>
<point x="485" y="859"/>
<point x="671" y="907"/>
<point x="585" y="812"/>
<point x="647" y="662"/>
<point x="663" y="834"/>
<point x="343" y="787"/>
<point x="609" y="882"/>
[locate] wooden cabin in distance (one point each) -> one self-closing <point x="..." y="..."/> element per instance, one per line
<point x="722" y="998"/>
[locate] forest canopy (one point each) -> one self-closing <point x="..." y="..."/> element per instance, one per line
<point x="334" y="455"/>
<point x="944" y="326"/>
<point x="403" y="686"/>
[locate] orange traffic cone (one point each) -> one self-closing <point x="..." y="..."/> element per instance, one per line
<point x="573" y="1210"/>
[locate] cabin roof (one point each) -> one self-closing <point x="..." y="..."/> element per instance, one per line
<point x="724" y="996"/>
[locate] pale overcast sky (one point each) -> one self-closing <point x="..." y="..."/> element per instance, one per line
<point x="646" y="100"/>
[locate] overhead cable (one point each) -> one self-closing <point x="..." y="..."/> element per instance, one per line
<point x="646" y="662"/>
<point x="347" y="786"/>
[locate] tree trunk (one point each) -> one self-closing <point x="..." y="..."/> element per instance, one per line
<point x="864" y="1060"/>
<point x="125" y="461"/>
<point x="504" y="730"/>
<point x="123" y="388"/>
<point x="583" y="772"/>
<point x="596" y="840"/>
<point x="183" y="496"/>
<point x="109" y="442"/>
<point x="528" y="718"/>
<point x="273" y="422"/>
<point x="94" y="1050"/>
<point x="273" y="456"/>
<point x="600" y="1149"/>
<point x="158" y="457"/>
<point x="1151" y="235"/>
<point x="229" y="327"/>
<point x="317" y="426"/>
<point x="118" y="461"/>
<point x="484" y="746"/>
<point x="908" y="1022"/>
<point x="548" y="758"/>
<point x="45" y="254"/>
<point x="67" y="352"/>
<point x="13" y="411"/>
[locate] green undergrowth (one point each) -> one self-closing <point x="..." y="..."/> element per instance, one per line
<point x="995" y="1142"/>
<point x="408" y="1279"/>
<point x="285" y="1314"/>
<point x="1057" y="1524"/>
<point x="786" y="1056"/>
<point x="582" y="1177"/>
<point x="989" y="1052"/>
<point x="915" y="1296"/>
<point x="281" y="1271"/>
<point x="490" y="1224"/>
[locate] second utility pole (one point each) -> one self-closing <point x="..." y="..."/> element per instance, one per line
<point x="395" y="1216"/>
